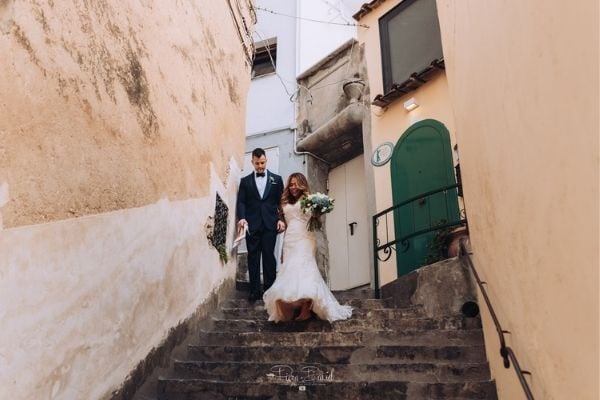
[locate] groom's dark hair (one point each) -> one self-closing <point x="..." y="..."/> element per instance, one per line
<point x="258" y="153"/>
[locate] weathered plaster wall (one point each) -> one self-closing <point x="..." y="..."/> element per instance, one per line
<point x="119" y="121"/>
<point x="321" y="95"/>
<point x="85" y="299"/>
<point x="388" y="125"/>
<point x="523" y="80"/>
<point x="107" y="105"/>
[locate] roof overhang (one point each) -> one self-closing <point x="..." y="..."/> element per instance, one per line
<point x="367" y="8"/>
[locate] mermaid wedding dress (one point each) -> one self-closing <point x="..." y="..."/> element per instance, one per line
<point x="298" y="276"/>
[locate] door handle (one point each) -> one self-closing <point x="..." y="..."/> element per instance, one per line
<point x="351" y="225"/>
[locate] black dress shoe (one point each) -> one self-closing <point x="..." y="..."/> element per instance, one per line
<point x="253" y="297"/>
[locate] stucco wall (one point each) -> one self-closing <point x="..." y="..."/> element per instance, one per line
<point x="388" y="125"/>
<point x="108" y="105"/>
<point x="523" y="80"/>
<point x="321" y="96"/>
<point x="119" y="121"/>
<point x="86" y="299"/>
<point x="269" y="104"/>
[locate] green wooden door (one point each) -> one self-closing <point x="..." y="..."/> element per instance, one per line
<point x="421" y="162"/>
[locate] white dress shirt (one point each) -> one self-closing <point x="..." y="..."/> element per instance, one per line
<point x="261" y="183"/>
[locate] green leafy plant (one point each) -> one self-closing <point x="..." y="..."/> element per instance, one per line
<point x="223" y="256"/>
<point x="438" y="247"/>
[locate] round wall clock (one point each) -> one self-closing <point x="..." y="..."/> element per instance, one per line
<point x="382" y="154"/>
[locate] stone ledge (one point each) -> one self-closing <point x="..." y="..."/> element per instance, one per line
<point x="339" y="139"/>
<point x="441" y="288"/>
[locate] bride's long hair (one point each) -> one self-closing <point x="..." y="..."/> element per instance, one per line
<point x="286" y="197"/>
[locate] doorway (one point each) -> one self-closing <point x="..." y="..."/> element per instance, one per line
<point x="347" y="226"/>
<point x="421" y="162"/>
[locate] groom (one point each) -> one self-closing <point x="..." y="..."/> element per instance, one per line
<point x="258" y="207"/>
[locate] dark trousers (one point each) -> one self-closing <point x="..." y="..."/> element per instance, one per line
<point x="261" y="243"/>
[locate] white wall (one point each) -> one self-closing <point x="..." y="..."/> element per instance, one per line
<point x="269" y="105"/>
<point x="85" y="299"/>
<point x="317" y="40"/>
<point x="300" y="44"/>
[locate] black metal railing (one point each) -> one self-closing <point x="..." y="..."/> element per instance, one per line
<point x="506" y="352"/>
<point x="389" y="246"/>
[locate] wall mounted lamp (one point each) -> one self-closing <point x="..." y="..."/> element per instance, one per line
<point x="411" y="104"/>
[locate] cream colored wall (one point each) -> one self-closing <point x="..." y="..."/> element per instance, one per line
<point x="119" y="121"/>
<point x="84" y="300"/>
<point x="523" y="80"/>
<point x="387" y="125"/>
<point x="108" y="105"/>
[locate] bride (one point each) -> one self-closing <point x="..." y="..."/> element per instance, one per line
<point x="299" y="287"/>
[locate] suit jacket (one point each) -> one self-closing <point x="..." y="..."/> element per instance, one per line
<point x="260" y="212"/>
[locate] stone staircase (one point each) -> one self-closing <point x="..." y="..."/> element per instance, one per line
<point x="380" y="353"/>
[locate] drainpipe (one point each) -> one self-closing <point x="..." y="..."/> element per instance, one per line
<point x="300" y="153"/>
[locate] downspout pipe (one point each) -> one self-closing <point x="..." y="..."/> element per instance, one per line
<point x="297" y="152"/>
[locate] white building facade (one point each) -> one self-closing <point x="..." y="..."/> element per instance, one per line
<point x="296" y="42"/>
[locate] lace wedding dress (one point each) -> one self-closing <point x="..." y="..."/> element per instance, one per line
<point x="298" y="276"/>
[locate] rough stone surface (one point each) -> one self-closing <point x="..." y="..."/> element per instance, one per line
<point x="386" y="353"/>
<point x="441" y="288"/>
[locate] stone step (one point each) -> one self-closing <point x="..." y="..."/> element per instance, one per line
<point x="366" y="293"/>
<point x="243" y="288"/>
<point x="202" y="389"/>
<point x="350" y="325"/>
<point x="414" y="338"/>
<point x="236" y="372"/>
<point x="338" y="354"/>
<point x="356" y="303"/>
<point x="259" y="313"/>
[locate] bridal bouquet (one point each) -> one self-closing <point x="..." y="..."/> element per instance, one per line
<point x="316" y="204"/>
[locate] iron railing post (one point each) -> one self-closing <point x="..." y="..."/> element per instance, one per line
<point x="375" y="259"/>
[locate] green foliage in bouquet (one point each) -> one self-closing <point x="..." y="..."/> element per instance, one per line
<point x="316" y="204"/>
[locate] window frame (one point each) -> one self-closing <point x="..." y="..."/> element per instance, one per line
<point x="385" y="43"/>
<point x="266" y="49"/>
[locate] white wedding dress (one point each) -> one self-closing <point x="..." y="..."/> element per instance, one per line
<point x="298" y="276"/>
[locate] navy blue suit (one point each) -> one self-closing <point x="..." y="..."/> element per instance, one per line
<point x="262" y="214"/>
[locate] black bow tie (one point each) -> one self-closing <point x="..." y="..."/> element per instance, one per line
<point x="258" y="174"/>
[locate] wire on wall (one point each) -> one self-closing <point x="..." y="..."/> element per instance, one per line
<point x="294" y="95"/>
<point x="248" y="50"/>
<point x="310" y="19"/>
<point x="340" y="11"/>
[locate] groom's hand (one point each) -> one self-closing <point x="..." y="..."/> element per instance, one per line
<point x="280" y="226"/>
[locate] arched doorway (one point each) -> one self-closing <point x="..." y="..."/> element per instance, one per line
<point x="421" y="162"/>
